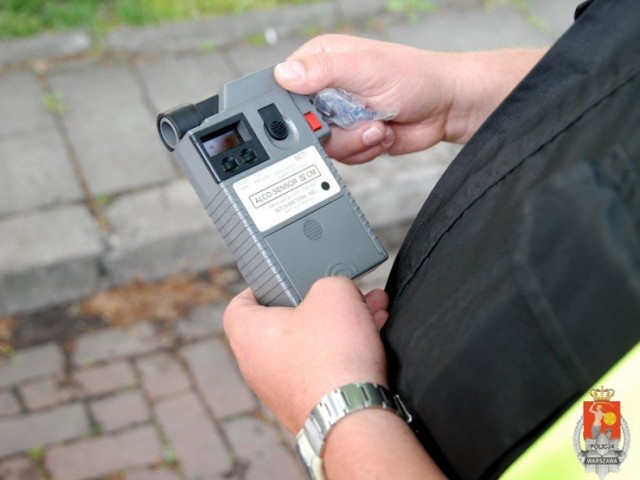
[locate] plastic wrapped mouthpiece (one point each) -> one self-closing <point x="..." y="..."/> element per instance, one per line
<point x="343" y="109"/>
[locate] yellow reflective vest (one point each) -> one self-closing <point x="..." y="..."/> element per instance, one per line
<point x="553" y="455"/>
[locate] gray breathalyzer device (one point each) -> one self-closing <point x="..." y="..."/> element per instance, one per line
<point x="253" y="154"/>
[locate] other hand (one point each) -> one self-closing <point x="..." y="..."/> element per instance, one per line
<point x="292" y="357"/>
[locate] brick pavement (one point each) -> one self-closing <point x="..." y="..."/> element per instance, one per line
<point x="88" y="199"/>
<point x="133" y="403"/>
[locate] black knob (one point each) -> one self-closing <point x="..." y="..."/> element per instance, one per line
<point x="273" y="122"/>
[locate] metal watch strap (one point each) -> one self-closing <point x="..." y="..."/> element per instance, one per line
<point x="332" y="408"/>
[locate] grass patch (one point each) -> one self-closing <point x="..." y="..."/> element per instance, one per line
<point x="411" y="8"/>
<point x="28" y="17"/>
<point x="36" y="454"/>
<point x="103" y="200"/>
<point x="53" y="102"/>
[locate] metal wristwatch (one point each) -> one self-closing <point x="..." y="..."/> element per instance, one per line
<point x="332" y="408"/>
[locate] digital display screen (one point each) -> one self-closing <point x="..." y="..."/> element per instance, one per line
<point x="222" y="141"/>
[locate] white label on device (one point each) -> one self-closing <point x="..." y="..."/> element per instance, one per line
<point x="277" y="193"/>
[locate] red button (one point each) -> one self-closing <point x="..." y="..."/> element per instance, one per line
<point x="313" y="121"/>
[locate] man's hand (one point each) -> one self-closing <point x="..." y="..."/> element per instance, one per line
<point x="438" y="96"/>
<point x="292" y="357"/>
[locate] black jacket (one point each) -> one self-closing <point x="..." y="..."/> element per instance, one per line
<point x="518" y="285"/>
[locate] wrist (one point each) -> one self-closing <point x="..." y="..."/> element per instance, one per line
<point x="313" y="394"/>
<point x="358" y="445"/>
<point x="372" y="444"/>
<point x="481" y="81"/>
<point x="332" y="409"/>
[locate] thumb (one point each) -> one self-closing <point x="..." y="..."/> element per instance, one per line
<point x="312" y="73"/>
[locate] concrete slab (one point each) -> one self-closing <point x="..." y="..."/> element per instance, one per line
<point x="391" y="190"/>
<point x="162" y="375"/>
<point x="187" y="78"/>
<point x="36" y="430"/>
<point x="43" y="46"/>
<point x="8" y="406"/>
<point x="193" y="437"/>
<point x="48" y="257"/>
<point x="31" y="363"/>
<point x="104" y="345"/>
<point x="201" y="322"/>
<point x="470" y="30"/>
<point x="111" y="129"/>
<point x="21" y="104"/>
<point x="20" y="468"/>
<point x="121" y="410"/>
<point x="259" y="446"/>
<point x="250" y="58"/>
<point x="35" y="171"/>
<point x="101" y="379"/>
<point x="556" y="15"/>
<point x="140" y="446"/>
<point x="216" y="376"/>
<point x="47" y="392"/>
<point x="161" y="231"/>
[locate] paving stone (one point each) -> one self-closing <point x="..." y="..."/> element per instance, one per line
<point x="35" y="171"/>
<point x="556" y="16"/>
<point x="21" y="104"/>
<point x="378" y="277"/>
<point x="251" y="58"/>
<point x="259" y="446"/>
<point x="162" y="231"/>
<point x="19" y="468"/>
<point x="43" y="46"/>
<point x="391" y="237"/>
<point x="162" y="375"/>
<point x="112" y="132"/>
<point x="193" y="437"/>
<point x="105" y="378"/>
<point x="120" y="410"/>
<point x="156" y="474"/>
<point x="470" y="29"/>
<point x="187" y="78"/>
<point x="104" y="455"/>
<point x="31" y="363"/>
<point x="48" y="391"/>
<point x="47" y="258"/>
<point x="391" y="190"/>
<point x="115" y="343"/>
<point x="8" y="404"/>
<point x="66" y="422"/>
<point x="202" y="321"/>
<point x="217" y="378"/>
